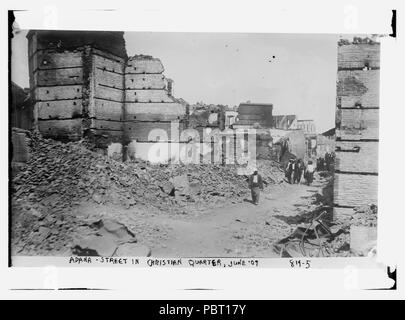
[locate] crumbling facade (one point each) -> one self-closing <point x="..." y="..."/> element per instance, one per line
<point x="308" y="126"/>
<point x="356" y="175"/>
<point x="84" y="85"/>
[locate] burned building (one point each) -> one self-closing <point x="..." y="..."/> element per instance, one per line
<point x="85" y="85"/>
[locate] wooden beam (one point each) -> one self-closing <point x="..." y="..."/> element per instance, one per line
<point x="147" y="96"/>
<point x="154" y="131"/>
<point x="48" y="59"/>
<point x="108" y="55"/>
<point x="108" y="93"/>
<point x="58" y="92"/>
<point x="108" y="78"/>
<point x="154" y="111"/>
<point x="61" y="129"/>
<point x="58" y="77"/>
<point x="108" y="64"/>
<point x="107" y="110"/>
<point x="64" y="109"/>
<point x="142" y="65"/>
<point x="106" y="125"/>
<point x="145" y="81"/>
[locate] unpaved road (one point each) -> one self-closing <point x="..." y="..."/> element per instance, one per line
<point x="239" y="229"/>
<point x="233" y="230"/>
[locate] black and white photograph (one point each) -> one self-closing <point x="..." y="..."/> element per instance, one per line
<point x="202" y="144"/>
<point x="194" y="144"/>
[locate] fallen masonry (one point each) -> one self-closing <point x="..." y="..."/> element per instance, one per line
<point x="59" y="177"/>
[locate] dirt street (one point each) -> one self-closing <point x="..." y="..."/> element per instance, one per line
<point x="205" y="213"/>
<point x="238" y="229"/>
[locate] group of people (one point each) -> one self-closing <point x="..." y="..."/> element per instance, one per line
<point x="296" y="171"/>
<point x="325" y="163"/>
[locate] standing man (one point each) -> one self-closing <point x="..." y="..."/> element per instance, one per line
<point x="300" y="170"/>
<point x="309" y="172"/>
<point x="255" y="185"/>
<point x="289" y="170"/>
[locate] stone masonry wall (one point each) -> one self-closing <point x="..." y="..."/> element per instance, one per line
<point x="88" y="87"/>
<point x="356" y="173"/>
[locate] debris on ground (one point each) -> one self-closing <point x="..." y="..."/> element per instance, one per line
<point x="112" y="238"/>
<point x="315" y="233"/>
<point x="365" y="216"/>
<point x="363" y="230"/>
<point x="58" y="178"/>
<point x="315" y="239"/>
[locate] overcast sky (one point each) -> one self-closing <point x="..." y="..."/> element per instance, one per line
<point x="294" y="72"/>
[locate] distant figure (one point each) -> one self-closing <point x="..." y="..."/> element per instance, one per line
<point x="309" y="172"/>
<point x="255" y="185"/>
<point x="299" y="170"/>
<point x="326" y="161"/>
<point x="318" y="164"/>
<point x="289" y="170"/>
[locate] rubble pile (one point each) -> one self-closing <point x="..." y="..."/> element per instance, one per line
<point x="63" y="174"/>
<point x="365" y="216"/>
<point x="271" y="171"/>
<point x="254" y="236"/>
<point x="196" y="182"/>
<point x="61" y="177"/>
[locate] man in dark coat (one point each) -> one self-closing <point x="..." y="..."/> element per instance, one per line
<point x="255" y="185"/>
<point x="299" y="170"/>
<point x="289" y="170"/>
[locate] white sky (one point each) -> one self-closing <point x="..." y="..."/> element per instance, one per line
<point x="230" y="68"/>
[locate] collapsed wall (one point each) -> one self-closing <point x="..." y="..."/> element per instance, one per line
<point x="356" y="175"/>
<point x="84" y="85"/>
<point x="152" y="115"/>
<point x="63" y="67"/>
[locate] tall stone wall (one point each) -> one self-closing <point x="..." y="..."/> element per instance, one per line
<point x="65" y="80"/>
<point x="84" y="85"/>
<point x="106" y="98"/>
<point x="356" y="173"/>
<point x="148" y="103"/>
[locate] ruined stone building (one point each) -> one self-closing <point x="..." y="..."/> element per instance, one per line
<point x="356" y="175"/>
<point x="85" y="85"/>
